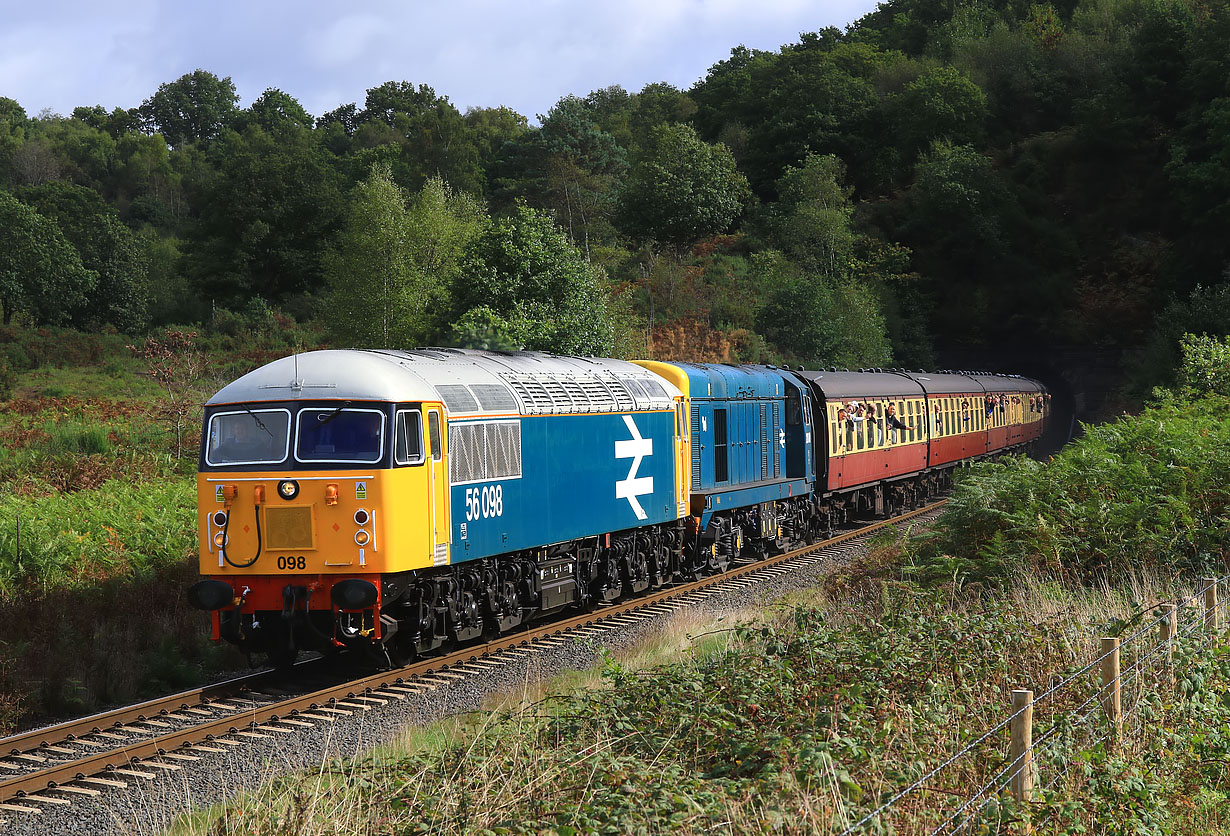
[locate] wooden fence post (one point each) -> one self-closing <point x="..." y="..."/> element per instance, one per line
<point x="1112" y="702"/>
<point x="1021" y="754"/>
<point x="1168" y="630"/>
<point x="1212" y="618"/>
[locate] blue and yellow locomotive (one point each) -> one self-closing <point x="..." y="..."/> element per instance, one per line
<point x="405" y="500"/>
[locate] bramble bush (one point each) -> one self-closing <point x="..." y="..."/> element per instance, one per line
<point x="1145" y="493"/>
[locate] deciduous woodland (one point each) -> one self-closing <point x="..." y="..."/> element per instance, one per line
<point x="936" y="174"/>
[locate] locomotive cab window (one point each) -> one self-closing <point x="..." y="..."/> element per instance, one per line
<point x="255" y="436"/>
<point x="408" y="437"/>
<point x="340" y="435"/>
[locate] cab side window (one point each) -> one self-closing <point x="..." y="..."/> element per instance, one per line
<point x="408" y="437"/>
<point x="433" y="425"/>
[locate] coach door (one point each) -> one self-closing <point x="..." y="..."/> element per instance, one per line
<point x="437" y="461"/>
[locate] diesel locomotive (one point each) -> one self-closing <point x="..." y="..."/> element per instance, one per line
<point x="403" y="501"/>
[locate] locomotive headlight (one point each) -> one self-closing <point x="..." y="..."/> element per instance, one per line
<point x="288" y="489"/>
<point x="219" y="539"/>
<point x="361" y="537"/>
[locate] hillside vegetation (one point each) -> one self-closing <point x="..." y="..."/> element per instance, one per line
<point x="98" y="447"/>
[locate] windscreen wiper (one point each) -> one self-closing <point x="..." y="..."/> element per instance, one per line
<point x="321" y="422"/>
<point x="258" y="421"/>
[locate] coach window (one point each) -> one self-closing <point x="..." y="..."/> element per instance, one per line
<point x="408" y="437"/>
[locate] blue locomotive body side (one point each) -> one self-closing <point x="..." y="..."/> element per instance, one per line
<point x="751" y="437"/>
<point x="580" y="476"/>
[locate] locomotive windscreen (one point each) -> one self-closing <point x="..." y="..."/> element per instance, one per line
<point x="256" y="436"/>
<point x="340" y="435"/>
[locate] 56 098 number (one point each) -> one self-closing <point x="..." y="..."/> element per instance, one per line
<point x="483" y="502"/>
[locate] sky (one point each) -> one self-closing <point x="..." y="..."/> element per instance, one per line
<point x="525" y="54"/>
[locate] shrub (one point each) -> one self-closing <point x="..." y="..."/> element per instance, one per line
<point x="8" y="379"/>
<point x="1143" y="493"/>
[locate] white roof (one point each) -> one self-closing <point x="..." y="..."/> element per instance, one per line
<point x="467" y="381"/>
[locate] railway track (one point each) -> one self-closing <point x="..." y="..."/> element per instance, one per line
<point x="86" y="757"/>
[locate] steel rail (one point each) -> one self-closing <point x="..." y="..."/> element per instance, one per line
<point x="131" y="755"/>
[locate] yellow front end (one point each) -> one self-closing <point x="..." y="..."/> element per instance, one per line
<point x="316" y="522"/>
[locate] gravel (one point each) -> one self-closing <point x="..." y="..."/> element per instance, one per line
<point x="149" y="806"/>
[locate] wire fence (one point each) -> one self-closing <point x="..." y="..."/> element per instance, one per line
<point x="1110" y="716"/>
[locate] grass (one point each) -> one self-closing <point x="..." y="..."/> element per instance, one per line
<point x="800" y="721"/>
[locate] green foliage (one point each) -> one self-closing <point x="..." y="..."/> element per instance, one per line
<point x="193" y="108"/>
<point x="1145" y="493"/>
<point x="395" y="259"/>
<point x="940" y="105"/>
<point x="266" y="216"/>
<point x="682" y="189"/>
<point x="75" y="538"/>
<point x="1206" y="365"/>
<point x="820" y="321"/>
<point x="523" y="282"/>
<point x="41" y="274"/>
<point x="811" y="220"/>
<point x="107" y="248"/>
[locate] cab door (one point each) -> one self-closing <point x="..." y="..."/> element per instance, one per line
<point x="437" y="463"/>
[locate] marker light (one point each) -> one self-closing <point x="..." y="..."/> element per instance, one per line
<point x="258" y="494"/>
<point x="219" y="518"/>
<point x="219" y="539"/>
<point x="288" y="489"/>
<point x="361" y="537"/>
<point x="360" y="517"/>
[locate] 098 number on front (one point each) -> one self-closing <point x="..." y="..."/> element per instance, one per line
<point x="483" y="502"/>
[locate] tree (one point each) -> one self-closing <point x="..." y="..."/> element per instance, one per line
<point x="810" y="222"/>
<point x="41" y="275"/>
<point x="941" y="104"/>
<point x="682" y="189"/>
<point x="12" y="135"/>
<point x="274" y="111"/>
<point x="523" y="283"/>
<point x="395" y="259"/>
<point x="570" y="167"/>
<point x="429" y="136"/>
<point x="818" y="321"/>
<point x="107" y="248"/>
<point x="267" y="210"/>
<point x="193" y="108"/>
<point x="175" y="363"/>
